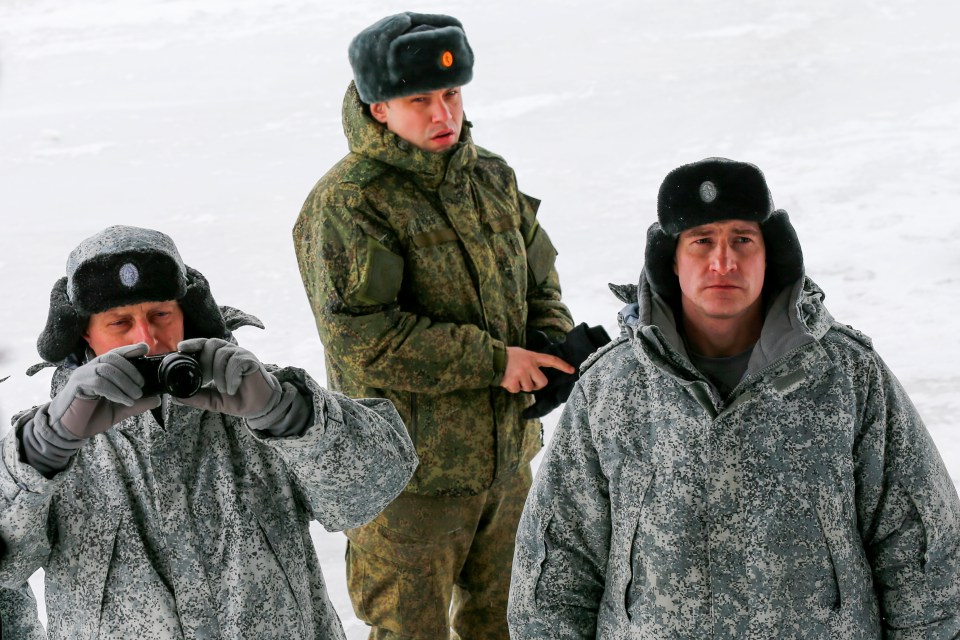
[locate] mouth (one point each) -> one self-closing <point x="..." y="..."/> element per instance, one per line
<point x="723" y="287"/>
<point x="443" y="136"/>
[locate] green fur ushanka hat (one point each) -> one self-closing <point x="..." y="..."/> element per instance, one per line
<point x="709" y="191"/>
<point x="410" y="53"/>
<point x="122" y="266"/>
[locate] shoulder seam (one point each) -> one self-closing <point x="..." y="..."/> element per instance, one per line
<point x="599" y="353"/>
<point x="845" y="333"/>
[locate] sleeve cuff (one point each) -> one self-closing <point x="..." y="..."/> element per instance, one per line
<point x="316" y="396"/>
<point x="499" y="362"/>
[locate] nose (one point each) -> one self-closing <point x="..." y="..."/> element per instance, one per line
<point x="440" y="112"/>
<point x="722" y="261"/>
<point x="142" y="331"/>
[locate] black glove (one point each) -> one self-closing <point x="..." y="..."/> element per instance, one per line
<point x="575" y="348"/>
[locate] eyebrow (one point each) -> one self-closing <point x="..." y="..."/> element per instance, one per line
<point x="113" y="317"/>
<point x="710" y="230"/>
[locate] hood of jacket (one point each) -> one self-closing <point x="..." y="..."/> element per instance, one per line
<point x="795" y="317"/>
<point x="371" y="139"/>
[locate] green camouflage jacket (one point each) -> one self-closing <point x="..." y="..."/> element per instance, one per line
<point x="421" y="268"/>
<point x="198" y="528"/>
<point x="811" y="503"/>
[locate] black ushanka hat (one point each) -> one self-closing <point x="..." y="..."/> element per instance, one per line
<point x="410" y="53"/>
<point x="122" y="266"/>
<point x="709" y="191"/>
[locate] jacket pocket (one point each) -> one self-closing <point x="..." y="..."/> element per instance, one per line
<point x="538" y="546"/>
<point x="433" y="237"/>
<point x="382" y="275"/>
<point x="541" y="255"/>
<point x="503" y="223"/>
<point x="832" y="595"/>
<point x="853" y="612"/>
<point x="636" y="583"/>
<point x="791" y="544"/>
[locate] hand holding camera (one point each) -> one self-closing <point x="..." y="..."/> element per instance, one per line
<point x="102" y="393"/>
<point x="241" y="385"/>
<point x="177" y="374"/>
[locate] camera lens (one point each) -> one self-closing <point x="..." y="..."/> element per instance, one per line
<point x="180" y="375"/>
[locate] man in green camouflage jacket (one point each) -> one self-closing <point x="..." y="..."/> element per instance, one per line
<point x="425" y="267"/>
<point x="158" y="516"/>
<point x="738" y="464"/>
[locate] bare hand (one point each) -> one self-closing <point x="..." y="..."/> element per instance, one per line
<point x="523" y="369"/>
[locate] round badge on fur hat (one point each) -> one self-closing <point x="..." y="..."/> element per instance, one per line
<point x="712" y="190"/>
<point x="409" y="53"/>
<point x="129" y="275"/>
<point x="124" y="265"/>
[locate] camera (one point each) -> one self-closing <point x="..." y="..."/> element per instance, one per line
<point x="174" y="373"/>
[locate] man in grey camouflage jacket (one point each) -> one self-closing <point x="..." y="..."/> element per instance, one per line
<point x="738" y="464"/>
<point x="188" y="517"/>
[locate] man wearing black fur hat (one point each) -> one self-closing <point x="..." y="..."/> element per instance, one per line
<point x="156" y="516"/>
<point x="738" y="464"/>
<point x="427" y="271"/>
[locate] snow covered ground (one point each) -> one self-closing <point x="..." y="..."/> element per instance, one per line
<point x="211" y="120"/>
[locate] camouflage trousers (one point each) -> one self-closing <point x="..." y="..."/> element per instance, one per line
<point x="433" y="568"/>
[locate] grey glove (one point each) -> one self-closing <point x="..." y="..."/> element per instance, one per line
<point x="101" y="393"/>
<point x="241" y="386"/>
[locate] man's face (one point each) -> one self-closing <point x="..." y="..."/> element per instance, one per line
<point x="721" y="268"/>
<point x="159" y="324"/>
<point x="431" y="121"/>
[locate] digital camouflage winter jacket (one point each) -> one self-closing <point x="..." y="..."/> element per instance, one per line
<point x="199" y="528"/>
<point x="421" y="268"/>
<point x="18" y="615"/>
<point x="811" y="503"/>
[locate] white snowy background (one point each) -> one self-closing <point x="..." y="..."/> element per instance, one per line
<point x="211" y="120"/>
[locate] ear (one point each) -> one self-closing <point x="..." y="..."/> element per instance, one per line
<point x="379" y="112"/>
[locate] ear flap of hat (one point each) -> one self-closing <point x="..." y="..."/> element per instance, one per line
<point x="784" y="256"/>
<point x="658" y="263"/>
<point x="201" y="315"/>
<point x="235" y="318"/>
<point x="65" y="326"/>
